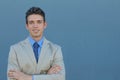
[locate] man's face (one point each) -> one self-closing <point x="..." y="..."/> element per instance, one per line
<point x="36" y="25"/>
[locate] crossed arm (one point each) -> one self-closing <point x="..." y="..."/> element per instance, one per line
<point x="15" y="74"/>
<point x="56" y="72"/>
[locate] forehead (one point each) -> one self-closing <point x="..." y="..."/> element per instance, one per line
<point x="34" y="17"/>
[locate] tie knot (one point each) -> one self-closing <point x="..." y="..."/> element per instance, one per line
<point x="35" y="45"/>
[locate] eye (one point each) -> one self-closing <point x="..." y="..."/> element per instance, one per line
<point x="39" y="21"/>
<point x="30" y="22"/>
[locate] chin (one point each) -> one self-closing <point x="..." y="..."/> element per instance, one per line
<point x="37" y="36"/>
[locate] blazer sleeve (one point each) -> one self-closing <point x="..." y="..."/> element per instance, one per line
<point x="12" y="61"/>
<point x="58" y="60"/>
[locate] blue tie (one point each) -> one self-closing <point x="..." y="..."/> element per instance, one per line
<point x="35" y="49"/>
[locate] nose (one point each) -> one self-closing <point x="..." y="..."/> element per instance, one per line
<point x="35" y="25"/>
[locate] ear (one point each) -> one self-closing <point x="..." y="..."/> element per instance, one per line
<point x="27" y="26"/>
<point x="45" y="25"/>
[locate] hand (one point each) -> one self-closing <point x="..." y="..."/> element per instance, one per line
<point x="54" y="70"/>
<point x="14" y="74"/>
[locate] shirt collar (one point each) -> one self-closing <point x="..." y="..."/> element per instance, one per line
<point x="32" y="41"/>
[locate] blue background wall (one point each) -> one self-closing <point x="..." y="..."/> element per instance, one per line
<point x="87" y="30"/>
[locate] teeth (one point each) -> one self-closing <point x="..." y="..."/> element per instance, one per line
<point x="35" y="30"/>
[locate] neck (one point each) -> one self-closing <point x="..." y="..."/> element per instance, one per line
<point x="37" y="38"/>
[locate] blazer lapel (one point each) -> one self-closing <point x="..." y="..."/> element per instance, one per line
<point x="29" y="51"/>
<point x="42" y="54"/>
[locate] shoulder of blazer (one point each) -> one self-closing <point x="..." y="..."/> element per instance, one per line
<point x="21" y="43"/>
<point x="51" y="44"/>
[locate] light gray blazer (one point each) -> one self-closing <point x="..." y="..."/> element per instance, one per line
<point x="21" y="57"/>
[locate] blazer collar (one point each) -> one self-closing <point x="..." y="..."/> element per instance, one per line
<point x="30" y="53"/>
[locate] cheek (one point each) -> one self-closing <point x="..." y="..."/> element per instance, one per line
<point x="29" y="28"/>
<point x="41" y="28"/>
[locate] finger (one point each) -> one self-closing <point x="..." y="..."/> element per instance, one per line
<point x="12" y="78"/>
<point x="55" y="69"/>
<point x="58" y="68"/>
<point x="10" y="74"/>
<point x="52" y="71"/>
<point x="12" y="70"/>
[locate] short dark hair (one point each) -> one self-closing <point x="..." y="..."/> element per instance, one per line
<point x="35" y="10"/>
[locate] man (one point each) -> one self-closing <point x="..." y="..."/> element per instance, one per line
<point x="35" y="58"/>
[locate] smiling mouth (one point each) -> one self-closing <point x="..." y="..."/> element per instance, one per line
<point x="35" y="31"/>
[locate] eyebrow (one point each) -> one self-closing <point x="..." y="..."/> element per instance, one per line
<point x="35" y="20"/>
